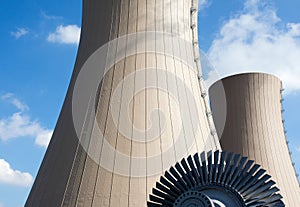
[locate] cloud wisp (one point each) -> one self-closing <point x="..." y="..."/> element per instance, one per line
<point x="49" y="17"/>
<point x="20" y="32"/>
<point x="69" y="34"/>
<point x="16" y="102"/>
<point x="14" y="177"/>
<point x="256" y="40"/>
<point x="20" y="125"/>
<point x="203" y="3"/>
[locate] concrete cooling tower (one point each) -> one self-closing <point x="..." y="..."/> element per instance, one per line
<point x="133" y="108"/>
<point x="136" y="105"/>
<point x="247" y="109"/>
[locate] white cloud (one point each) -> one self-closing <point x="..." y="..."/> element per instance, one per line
<point x="14" y="177"/>
<point x="69" y="34"/>
<point x="21" y="125"/>
<point x="43" y="137"/>
<point x="256" y="40"/>
<point x="298" y="149"/>
<point x="19" y="33"/>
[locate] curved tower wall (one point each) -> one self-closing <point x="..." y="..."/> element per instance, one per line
<point x="247" y="111"/>
<point x="156" y="88"/>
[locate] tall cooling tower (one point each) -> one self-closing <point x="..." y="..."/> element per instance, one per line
<point x="247" y="111"/>
<point x="134" y="106"/>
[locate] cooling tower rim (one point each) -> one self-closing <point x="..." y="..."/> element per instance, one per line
<point x="239" y="75"/>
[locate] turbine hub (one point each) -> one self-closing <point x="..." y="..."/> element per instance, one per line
<point x="193" y="199"/>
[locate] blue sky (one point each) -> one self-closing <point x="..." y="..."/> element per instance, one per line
<point x="38" y="49"/>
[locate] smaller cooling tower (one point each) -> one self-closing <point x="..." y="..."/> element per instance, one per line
<point x="247" y="111"/>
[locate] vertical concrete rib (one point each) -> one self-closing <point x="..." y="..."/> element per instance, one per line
<point x="252" y="103"/>
<point x="152" y="88"/>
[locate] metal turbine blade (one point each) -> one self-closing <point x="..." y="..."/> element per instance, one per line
<point x="203" y="180"/>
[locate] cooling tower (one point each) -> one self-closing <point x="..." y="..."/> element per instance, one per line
<point x="133" y="108"/>
<point x="247" y="110"/>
